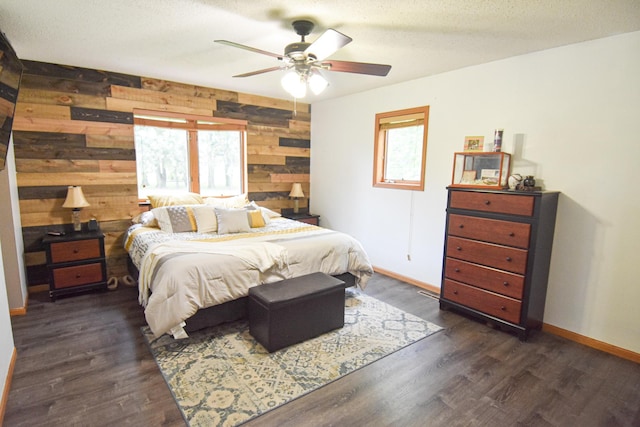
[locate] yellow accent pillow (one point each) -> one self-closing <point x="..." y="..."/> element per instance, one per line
<point x="255" y="219"/>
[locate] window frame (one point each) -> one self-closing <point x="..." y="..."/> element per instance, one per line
<point x="384" y="121"/>
<point x="193" y="123"/>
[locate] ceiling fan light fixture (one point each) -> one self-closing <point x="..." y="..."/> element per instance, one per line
<point x="317" y="83"/>
<point x="295" y="84"/>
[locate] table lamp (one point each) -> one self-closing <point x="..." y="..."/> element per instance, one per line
<point x="75" y="200"/>
<point x="296" y="193"/>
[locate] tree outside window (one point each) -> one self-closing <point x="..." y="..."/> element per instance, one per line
<point x="189" y="153"/>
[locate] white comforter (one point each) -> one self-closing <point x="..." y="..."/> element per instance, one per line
<point x="179" y="277"/>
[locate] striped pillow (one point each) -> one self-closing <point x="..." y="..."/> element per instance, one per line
<point x="175" y="219"/>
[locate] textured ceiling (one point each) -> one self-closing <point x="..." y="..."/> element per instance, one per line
<point x="173" y="39"/>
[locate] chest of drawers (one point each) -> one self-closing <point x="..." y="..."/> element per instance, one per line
<point x="75" y="262"/>
<point x="497" y="255"/>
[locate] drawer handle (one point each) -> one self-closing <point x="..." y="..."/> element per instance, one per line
<point x="512" y="234"/>
<point x="503" y="308"/>
<point x="457" y="270"/>
<point x="75" y="251"/>
<point x="461" y="226"/>
<point x="487" y="202"/>
<point x="505" y="283"/>
<point x="508" y="259"/>
<point x="458" y="248"/>
<point x="455" y="292"/>
<point x="78" y="276"/>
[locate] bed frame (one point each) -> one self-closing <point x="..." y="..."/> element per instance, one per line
<point x="229" y="311"/>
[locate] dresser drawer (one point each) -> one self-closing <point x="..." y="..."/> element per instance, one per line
<point x="490" y="230"/>
<point x="75" y="250"/>
<point x="487" y="302"/>
<point x="66" y="277"/>
<point x="502" y="282"/>
<point x="489" y="254"/>
<point x="489" y="202"/>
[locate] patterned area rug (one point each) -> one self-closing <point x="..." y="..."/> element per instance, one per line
<point x="222" y="376"/>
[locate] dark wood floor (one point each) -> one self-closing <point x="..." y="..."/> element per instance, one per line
<point x="82" y="361"/>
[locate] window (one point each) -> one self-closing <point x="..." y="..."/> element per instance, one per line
<point x="400" y="150"/>
<point x="174" y="152"/>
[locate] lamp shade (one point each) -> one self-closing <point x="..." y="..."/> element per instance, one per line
<point x="296" y="190"/>
<point x="75" y="199"/>
<point x="295" y="84"/>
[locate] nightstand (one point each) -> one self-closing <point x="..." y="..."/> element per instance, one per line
<point x="304" y="217"/>
<point x="76" y="262"/>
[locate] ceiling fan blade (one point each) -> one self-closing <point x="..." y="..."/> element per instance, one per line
<point x="357" y="67"/>
<point x="249" y="48"/>
<point x="327" y="44"/>
<point x="265" y="70"/>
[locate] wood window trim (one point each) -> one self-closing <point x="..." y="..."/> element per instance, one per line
<point x="388" y="120"/>
<point x="192" y="124"/>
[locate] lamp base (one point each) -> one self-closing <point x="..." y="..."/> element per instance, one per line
<point x="296" y="205"/>
<point x="77" y="225"/>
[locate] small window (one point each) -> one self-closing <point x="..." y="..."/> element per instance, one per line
<point x="400" y="150"/>
<point x="177" y="153"/>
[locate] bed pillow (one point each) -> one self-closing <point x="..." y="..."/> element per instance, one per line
<point x="175" y="219"/>
<point x="160" y="200"/>
<point x="145" y="219"/>
<point x="232" y="221"/>
<point x="256" y="219"/>
<point x="253" y="206"/>
<point x="206" y="220"/>
<point x="228" y="202"/>
<point x="267" y="212"/>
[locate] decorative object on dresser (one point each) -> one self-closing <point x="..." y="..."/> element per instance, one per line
<point x="296" y="193"/>
<point x="473" y="143"/>
<point x="304" y="217"/>
<point x="75" y="200"/>
<point x="497" y="255"/>
<point x="76" y="262"/>
<point x="480" y="170"/>
<point x="515" y="180"/>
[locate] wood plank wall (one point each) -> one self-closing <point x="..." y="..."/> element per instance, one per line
<point x="74" y="126"/>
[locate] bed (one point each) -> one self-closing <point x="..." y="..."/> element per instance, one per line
<point x="190" y="276"/>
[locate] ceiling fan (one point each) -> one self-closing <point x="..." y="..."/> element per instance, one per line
<point x="305" y="60"/>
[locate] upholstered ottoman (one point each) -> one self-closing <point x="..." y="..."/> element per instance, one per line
<point x="294" y="310"/>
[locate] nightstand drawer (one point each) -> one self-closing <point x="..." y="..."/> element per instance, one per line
<point x="493" y="304"/>
<point x="312" y="221"/>
<point x="490" y="230"/>
<point x="489" y="202"/>
<point x="497" y="256"/>
<point x="85" y="274"/>
<point x="75" y="250"/>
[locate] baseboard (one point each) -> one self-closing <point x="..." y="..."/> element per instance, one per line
<point x="21" y="311"/>
<point x="423" y="285"/>
<point x="590" y="342"/>
<point x="7" y="386"/>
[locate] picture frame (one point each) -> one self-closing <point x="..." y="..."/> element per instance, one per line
<point x="468" y="177"/>
<point x="473" y="143"/>
<point x="490" y="176"/>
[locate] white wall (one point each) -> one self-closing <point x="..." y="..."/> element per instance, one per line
<point x="11" y="234"/>
<point x="6" y="334"/>
<point x="571" y="118"/>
